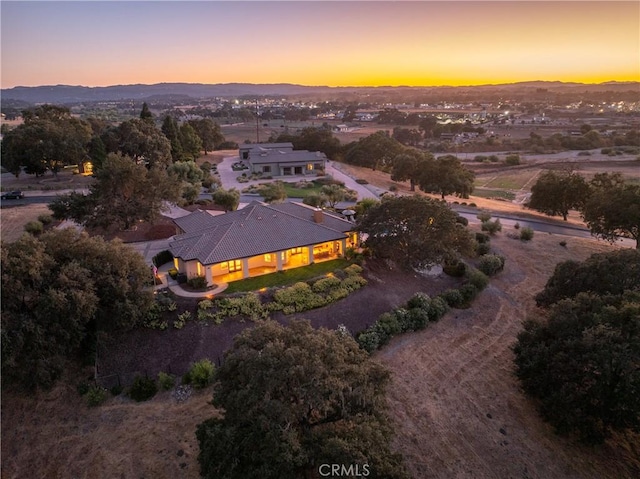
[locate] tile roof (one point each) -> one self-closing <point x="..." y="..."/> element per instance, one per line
<point x="282" y="156"/>
<point x="256" y="229"/>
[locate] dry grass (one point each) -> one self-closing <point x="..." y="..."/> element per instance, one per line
<point x="55" y="435"/>
<point x="458" y="407"/>
<point x="13" y="220"/>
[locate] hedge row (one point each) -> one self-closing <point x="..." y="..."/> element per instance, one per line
<point x="301" y="296"/>
<point x="421" y="310"/>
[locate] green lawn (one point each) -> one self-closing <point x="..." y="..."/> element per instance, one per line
<point x="293" y="192"/>
<point x="485" y="193"/>
<point x="283" y="278"/>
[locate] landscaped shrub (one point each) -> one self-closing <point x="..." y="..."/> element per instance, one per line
<point x="325" y="284"/>
<point x="453" y="298"/>
<point x="468" y="292"/>
<point x="248" y="304"/>
<point x="182" y="319"/>
<point x="353" y="269"/>
<point x="368" y="340"/>
<point x="480" y="158"/>
<point x="526" y="234"/>
<point x="419" y="300"/>
<point x="494" y="158"/>
<point x="297" y="298"/>
<point x="517" y="226"/>
<point x="34" y="227"/>
<point x="483" y="248"/>
<point x="116" y="390"/>
<point x="418" y="318"/>
<point x="393" y="188"/>
<point x="563" y="244"/>
<point x="200" y="375"/>
<point x="166" y="381"/>
<point x="512" y="160"/>
<point x="437" y="308"/>
<point x="95" y="396"/>
<point x="45" y="219"/>
<point x="482" y="238"/>
<point x="386" y="326"/>
<point x="163" y="257"/>
<point x="142" y="389"/>
<point x="455" y="269"/>
<point x="477" y="278"/>
<point x="492" y="227"/>
<point x="352" y="283"/>
<point x="473" y="205"/>
<point x="483" y="216"/>
<point x="361" y="181"/>
<point x="491" y="264"/>
<point x="173" y="273"/>
<point x="336" y="294"/>
<point x="197" y="282"/>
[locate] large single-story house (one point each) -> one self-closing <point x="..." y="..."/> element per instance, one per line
<point x="245" y="150"/>
<point x="280" y="159"/>
<point x="258" y="239"/>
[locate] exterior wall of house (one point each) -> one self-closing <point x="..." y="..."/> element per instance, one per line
<point x="289" y="169"/>
<point x="278" y="260"/>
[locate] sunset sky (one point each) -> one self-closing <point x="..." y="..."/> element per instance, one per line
<point x="335" y="43"/>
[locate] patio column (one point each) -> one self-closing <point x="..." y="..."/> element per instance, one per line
<point x="279" y="260"/>
<point x="208" y="275"/>
<point x="310" y="248"/>
<point x="343" y="247"/>
<point x="245" y="268"/>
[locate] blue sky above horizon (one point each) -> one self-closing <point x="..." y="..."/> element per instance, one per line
<point x="418" y="43"/>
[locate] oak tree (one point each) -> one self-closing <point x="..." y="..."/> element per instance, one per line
<point x="414" y="231"/>
<point x="295" y="398"/>
<point x="555" y="193"/>
<point x="613" y="209"/>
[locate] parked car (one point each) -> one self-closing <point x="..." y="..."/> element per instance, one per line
<point x="12" y="195"/>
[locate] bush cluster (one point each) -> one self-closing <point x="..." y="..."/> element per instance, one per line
<point x="413" y="316"/>
<point x="95" y="396"/>
<point x="142" y="389"/>
<point x="526" y="234"/>
<point x="166" y="381"/>
<point x="299" y="297"/>
<point x="182" y="319"/>
<point x="455" y="269"/>
<point x="200" y="375"/>
<point x="492" y="227"/>
<point x="491" y="264"/>
<point x="34" y="227"/>
<point x="197" y="282"/>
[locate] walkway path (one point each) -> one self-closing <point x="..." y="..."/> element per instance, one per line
<point x="172" y="284"/>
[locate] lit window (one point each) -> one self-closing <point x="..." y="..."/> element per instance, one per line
<point x="267" y="258"/>
<point x="310" y="166"/>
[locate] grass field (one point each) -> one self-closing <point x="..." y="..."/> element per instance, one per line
<point x="491" y="193"/>
<point x="293" y="192"/>
<point x="509" y="180"/>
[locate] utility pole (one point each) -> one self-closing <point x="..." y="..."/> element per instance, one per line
<point x="257" y="124"/>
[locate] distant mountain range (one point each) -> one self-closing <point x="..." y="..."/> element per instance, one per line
<point x="62" y="94"/>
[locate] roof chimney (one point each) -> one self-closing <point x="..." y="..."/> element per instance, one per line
<point x="318" y="216"/>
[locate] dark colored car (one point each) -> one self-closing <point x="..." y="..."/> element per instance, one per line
<point x="12" y="195"/>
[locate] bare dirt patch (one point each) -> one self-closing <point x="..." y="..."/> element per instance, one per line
<point x="458" y="407"/>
